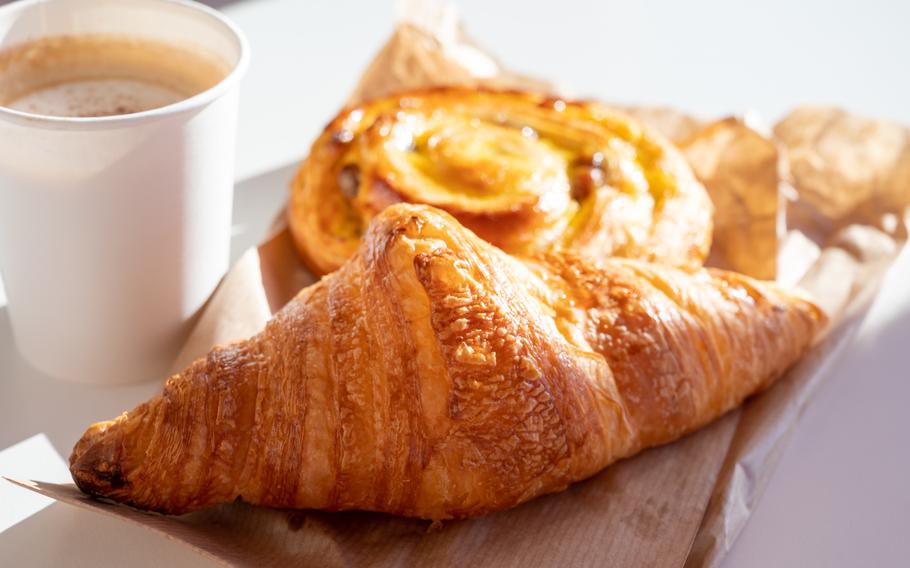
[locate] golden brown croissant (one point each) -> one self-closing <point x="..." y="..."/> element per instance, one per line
<point x="523" y="171"/>
<point x="435" y="376"/>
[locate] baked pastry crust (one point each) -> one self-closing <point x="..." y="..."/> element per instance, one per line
<point x="435" y="376"/>
<point x="527" y="172"/>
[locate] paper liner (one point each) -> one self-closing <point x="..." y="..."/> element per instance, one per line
<point x="616" y="518"/>
<point x="822" y="201"/>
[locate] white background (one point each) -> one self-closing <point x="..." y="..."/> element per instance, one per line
<point x="839" y="497"/>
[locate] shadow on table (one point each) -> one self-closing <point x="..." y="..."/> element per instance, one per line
<point x="879" y="354"/>
<point x="845" y="470"/>
<point x="60" y="535"/>
<point x="32" y="403"/>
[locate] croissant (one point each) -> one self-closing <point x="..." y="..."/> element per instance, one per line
<point x="435" y="376"/>
<point x="524" y="171"/>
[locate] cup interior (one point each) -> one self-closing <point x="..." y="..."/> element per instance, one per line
<point x="181" y="23"/>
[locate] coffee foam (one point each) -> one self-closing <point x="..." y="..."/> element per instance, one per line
<point x="102" y="75"/>
<point x="100" y="97"/>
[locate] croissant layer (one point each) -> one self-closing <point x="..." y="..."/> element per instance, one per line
<point x="435" y="376"/>
<point x="524" y="171"/>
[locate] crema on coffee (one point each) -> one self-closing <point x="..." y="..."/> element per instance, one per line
<point x="94" y="75"/>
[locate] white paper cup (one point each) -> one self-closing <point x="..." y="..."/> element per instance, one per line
<point x="115" y="230"/>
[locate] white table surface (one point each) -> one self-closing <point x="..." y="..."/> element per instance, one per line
<point x="839" y="496"/>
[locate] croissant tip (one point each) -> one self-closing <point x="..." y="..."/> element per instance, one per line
<point x="810" y="306"/>
<point x="93" y="464"/>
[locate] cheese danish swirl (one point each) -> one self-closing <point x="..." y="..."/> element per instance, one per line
<point x="526" y="172"/>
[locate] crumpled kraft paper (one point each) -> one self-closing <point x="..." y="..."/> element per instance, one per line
<point x="821" y="200"/>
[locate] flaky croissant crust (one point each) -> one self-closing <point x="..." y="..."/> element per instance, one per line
<point x="434" y="376"/>
<point x="524" y="171"/>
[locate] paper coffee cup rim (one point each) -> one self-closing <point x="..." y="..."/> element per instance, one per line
<point x="188" y="104"/>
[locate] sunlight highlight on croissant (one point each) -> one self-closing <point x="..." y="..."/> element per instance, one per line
<point x="526" y="172"/>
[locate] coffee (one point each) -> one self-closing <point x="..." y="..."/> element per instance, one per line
<point x="102" y="75"/>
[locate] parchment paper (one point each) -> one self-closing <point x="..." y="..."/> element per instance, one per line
<point x="820" y="200"/>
